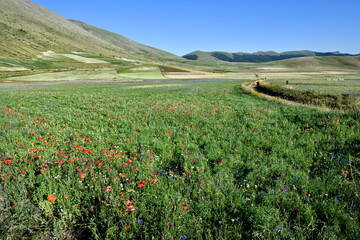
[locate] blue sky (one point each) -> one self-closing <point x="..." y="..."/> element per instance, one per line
<point x="183" y="26"/>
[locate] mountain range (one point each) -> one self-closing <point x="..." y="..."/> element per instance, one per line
<point x="257" y="56"/>
<point x="27" y="30"/>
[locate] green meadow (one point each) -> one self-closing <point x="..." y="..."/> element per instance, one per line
<point x="191" y="160"/>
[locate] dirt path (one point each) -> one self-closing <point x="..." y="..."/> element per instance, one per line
<point x="251" y="89"/>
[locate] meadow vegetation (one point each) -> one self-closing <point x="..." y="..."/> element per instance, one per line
<point x="174" y="161"/>
<point x="333" y="101"/>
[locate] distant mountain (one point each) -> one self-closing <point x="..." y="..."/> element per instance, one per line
<point x="256" y="57"/>
<point x="314" y="63"/>
<point x="27" y="29"/>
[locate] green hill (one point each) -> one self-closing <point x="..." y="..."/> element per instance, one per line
<point x="125" y="43"/>
<point x="255" y="57"/>
<point x="28" y="29"/>
<point x="333" y="62"/>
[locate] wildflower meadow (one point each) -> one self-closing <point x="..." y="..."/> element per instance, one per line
<point x="191" y="160"/>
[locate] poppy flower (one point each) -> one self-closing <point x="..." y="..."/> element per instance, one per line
<point x="185" y="207"/>
<point x="51" y="198"/>
<point x="142" y="184"/>
<point x="131" y="208"/>
<point x="82" y="175"/>
<point x="155" y="180"/>
<point x="42" y="171"/>
<point x="22" y="172"/>
<point x="128" y="226"/>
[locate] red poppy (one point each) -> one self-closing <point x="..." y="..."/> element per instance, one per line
<point x="169" y="132"/>
<point x="51" y="198"/>
<point x="128" y="226"/>
<point x="185" y="207"/>
<point x="42" y="171"/>
<point x="22" y="172"/>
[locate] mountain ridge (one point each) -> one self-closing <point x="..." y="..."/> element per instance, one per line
<point x="27" y="29"/>
<point x="260" y="56"/>
<point x="125" y="43"/>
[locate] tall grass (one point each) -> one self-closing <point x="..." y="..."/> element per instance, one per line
<point x="334" y="101"/>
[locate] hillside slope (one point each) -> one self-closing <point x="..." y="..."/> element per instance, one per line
<point x="27" y="29"/>
<point x="125" y="43"/>
<point x="334" y="62"/>
<point x="255" y="57"/>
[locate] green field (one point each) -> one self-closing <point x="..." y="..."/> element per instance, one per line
<point x="343" y="84"/>
<point x="91" y="74"/>
<point x="174" y="161"/>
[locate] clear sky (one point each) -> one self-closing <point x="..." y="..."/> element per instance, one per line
<point x="183" y="26"/>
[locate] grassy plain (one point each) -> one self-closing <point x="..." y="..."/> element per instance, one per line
<point x="195" y="160"/>
<point x="346" y="85"/>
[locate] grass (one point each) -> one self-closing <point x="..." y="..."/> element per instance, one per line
<point x="165" y="69"/>
<point x="139" y="68"/>
<point x="142" y="75"/>
<point x="83" y="59"/>
<point x="142" y="71"/>
<point x="196" y="161"/>
<point x="348" y="84"/>
<point x="9" y="63"/>
<point x="79" y="74"/>
<point x="334" y="101"/>
<point x="56" y="58"/>
<point x="35" y="64"/>
<point x="126" y="44"/>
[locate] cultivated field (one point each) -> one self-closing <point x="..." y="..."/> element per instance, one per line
<point x="190" y="160"/>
